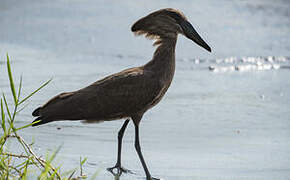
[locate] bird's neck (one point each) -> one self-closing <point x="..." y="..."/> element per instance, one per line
<point x="164" y="56"/>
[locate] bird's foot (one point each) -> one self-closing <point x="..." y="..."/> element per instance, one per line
<point x="118" y="170"/>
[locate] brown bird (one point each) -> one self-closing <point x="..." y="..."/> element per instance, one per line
<point x="129" y="93"/>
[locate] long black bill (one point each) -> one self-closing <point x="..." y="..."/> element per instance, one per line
<point x="190" y="33"/>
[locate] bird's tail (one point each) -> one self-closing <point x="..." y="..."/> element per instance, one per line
<point x="39" y="120"/>
<point x="36" y="112"/>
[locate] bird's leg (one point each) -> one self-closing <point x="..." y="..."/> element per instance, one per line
<point x="138" y="149"/>
<point x="120" y="169"/>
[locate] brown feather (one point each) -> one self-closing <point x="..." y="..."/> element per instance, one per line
<point x="129" y="93"/>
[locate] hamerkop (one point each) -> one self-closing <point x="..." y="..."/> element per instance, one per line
<point x="129" y="93"/>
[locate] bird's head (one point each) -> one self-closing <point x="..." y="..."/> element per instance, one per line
<point x="167" y="23"/>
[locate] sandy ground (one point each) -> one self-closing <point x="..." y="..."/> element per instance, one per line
<point x="223" y="125"/>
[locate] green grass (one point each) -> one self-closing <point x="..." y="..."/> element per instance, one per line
<point x="27" y="163"/>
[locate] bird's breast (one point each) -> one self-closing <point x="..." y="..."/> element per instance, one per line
<point x="164" y="84"/>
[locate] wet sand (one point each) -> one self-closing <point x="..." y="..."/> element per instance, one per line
<point x="210" y="125"/>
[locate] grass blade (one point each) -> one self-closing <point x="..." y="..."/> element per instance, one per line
<point x="83" y="161"/>
<point x="3" y="118"/>
<point x="12" y="87"/>
<point x="10" y="122"/>
<point x="54" y="155"/>
<point x="20" y="86"/>
<point x="28" y="125"/>
<point x="81" y="165"/>
<point x="7" y="107"/>
<point x="18" y="111"/>
<point x="42" y="86"/>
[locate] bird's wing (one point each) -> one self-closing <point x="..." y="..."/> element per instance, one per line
<point x="116" y="96"/>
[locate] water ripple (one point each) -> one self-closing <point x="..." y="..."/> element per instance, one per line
<point x="242" y="64"/>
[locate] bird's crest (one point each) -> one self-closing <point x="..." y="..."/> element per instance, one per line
<point x="159" y="24"/>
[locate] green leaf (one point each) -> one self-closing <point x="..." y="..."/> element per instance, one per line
<point x="12" y="87"/>
<point x="52" y="176"/>
<point x="10" y="122"/>
<point x="24" y="173"/>
<point x="27" y="97"/>
<point x="54" y="154"/>
<point x="7" y="107"/>
<point x="20" y="86"/>
<point x="28" y="125"/>
<point x="3" y="118"/>
<point x="18" y="111"/>
<point x="2" y="143"/>
<point x="21" y="164"/>
<point x="47" y="168"/>
<point x="83" y="161"/>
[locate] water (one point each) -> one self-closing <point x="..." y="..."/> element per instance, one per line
<point x="223" y="124"/>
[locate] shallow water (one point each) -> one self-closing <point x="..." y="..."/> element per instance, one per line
<point x="223" y="124"/>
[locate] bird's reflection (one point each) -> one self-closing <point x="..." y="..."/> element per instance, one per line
<point x="116" y="177"/>
<point x="117" y="172"/>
